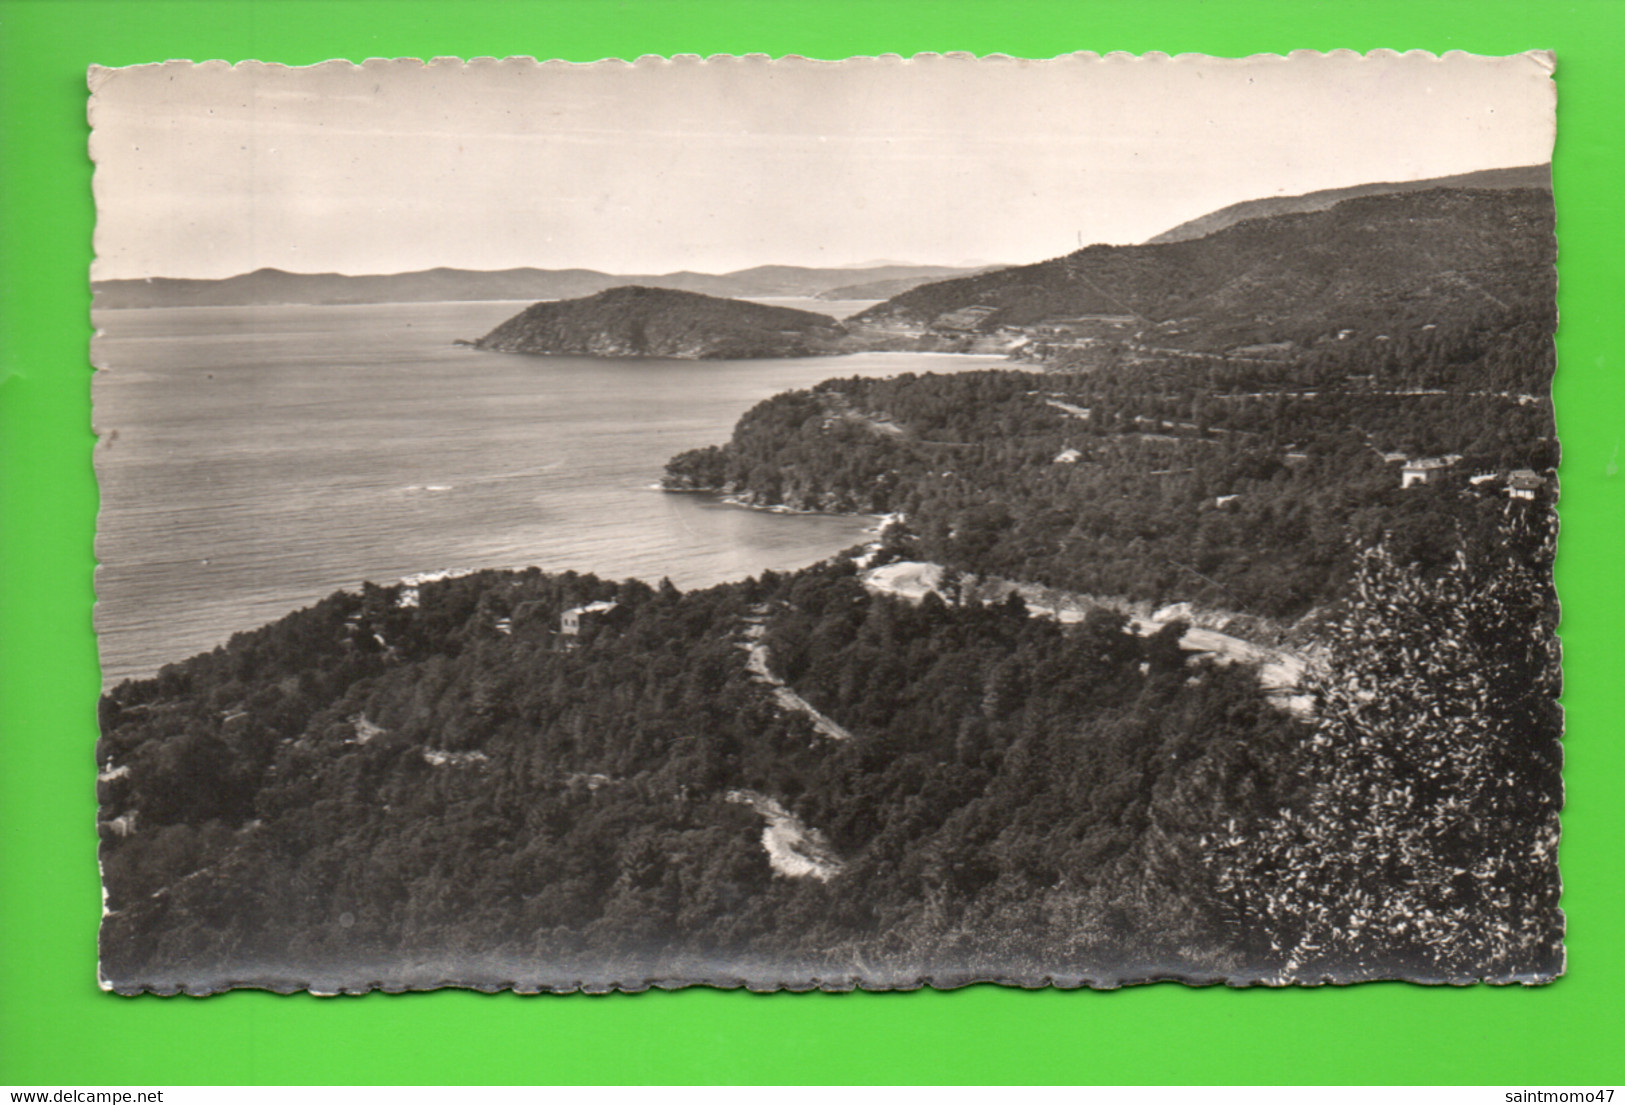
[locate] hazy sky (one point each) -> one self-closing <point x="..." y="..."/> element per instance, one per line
<point x="721" y="164"/>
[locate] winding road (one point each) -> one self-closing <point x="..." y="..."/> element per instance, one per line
<point x="756" y="663"/>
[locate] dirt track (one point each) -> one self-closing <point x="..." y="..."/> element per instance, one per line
<point x="1279" y="672"/>
<point x="756" y="663"/>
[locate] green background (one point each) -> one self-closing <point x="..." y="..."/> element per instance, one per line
<point x="57" y="1027"/>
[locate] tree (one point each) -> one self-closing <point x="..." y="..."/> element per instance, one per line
<point x="1425" y="837"/>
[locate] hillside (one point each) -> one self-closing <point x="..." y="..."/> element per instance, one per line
<point x="1524" y="176"/>
<point x="377" y="793"/>
<point x="1368" y="268"/>
<point x="274" y="286"/>
<point x="661" y="322"/>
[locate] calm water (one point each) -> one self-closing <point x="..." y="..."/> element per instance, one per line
<point x="254" y="460"/>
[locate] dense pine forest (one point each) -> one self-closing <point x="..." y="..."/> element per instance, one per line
<point x="460" y="795"/>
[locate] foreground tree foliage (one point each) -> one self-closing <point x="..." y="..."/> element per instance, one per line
<point x="1425" y="835"/>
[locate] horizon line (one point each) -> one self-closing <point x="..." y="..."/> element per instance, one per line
<point x="856" y="266"/>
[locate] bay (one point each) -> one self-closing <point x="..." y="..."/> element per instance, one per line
<point x="254" y="459"/>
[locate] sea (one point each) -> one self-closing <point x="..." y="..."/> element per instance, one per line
<point x="253" y="460"/>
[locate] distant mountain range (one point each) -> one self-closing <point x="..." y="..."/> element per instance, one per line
<point x="274" y="286"/>
<point x="1524" y="176"/>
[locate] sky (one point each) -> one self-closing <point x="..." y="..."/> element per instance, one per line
<point x="719" y="164"/>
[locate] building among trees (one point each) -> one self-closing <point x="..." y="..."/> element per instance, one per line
<point x="570" y="620"/>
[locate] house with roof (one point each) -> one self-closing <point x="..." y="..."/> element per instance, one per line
<point x="571" y="620"/>
<point x="1524" y="484"/>
<point x="1425" y="470"/>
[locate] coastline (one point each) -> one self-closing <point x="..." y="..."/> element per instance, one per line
<point x="735" y="499"/>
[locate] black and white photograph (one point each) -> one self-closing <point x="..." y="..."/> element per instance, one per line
<point x="826" y="524"/>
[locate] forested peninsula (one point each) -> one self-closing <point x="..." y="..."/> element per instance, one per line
<point x="662" y="322"/>
<point x="1160" y="486"/>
